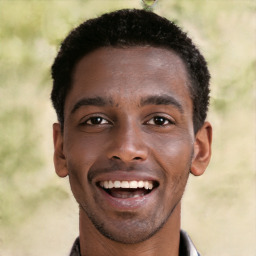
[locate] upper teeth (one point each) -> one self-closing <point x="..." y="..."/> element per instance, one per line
<point x="127" y="184"/>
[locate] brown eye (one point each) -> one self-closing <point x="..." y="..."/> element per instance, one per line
<point x="160" y="121"/>
<point x="96" y="121"/>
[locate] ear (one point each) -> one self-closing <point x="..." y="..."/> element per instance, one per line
<point x="59" y="157"/>
<point x="202" y="150"/>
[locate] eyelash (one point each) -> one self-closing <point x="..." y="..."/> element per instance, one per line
<point x="166" y="121"/>
<point x="86" y="122"/>
<point x="152" y="121"/>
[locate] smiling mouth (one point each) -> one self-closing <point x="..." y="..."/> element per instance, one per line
<point x="128" y="189"/>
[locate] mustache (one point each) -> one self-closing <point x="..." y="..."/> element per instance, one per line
<point x="115" y="166"/>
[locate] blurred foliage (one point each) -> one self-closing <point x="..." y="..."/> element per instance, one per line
<point x="30" y="33"/>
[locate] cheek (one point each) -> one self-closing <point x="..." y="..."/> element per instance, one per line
<point x="82" y="149"/>
<point x="173" y="152"/>
<point x="174" y="155"/>
<point x="80" y="152"/>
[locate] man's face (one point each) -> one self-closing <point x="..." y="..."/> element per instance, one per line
<point x="128" y="123"/>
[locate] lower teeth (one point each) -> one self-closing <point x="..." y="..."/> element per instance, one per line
<point x="123" y="193"/>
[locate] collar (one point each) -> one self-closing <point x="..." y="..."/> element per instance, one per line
<point x="187" y="247"/>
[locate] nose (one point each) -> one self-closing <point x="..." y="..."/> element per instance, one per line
<point x="127" y="145"/>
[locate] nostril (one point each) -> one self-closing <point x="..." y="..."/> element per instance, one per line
<point x="118" y="158"/>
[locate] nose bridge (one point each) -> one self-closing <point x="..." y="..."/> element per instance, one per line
<point x="127" y="144"/>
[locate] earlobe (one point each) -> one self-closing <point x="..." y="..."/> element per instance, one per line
<point x="202" y="150"/>
<point x="59" y="157"/>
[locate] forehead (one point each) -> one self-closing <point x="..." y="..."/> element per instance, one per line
<point x="129" y="73"/>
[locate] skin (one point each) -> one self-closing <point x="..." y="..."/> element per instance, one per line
<point x="129" y="115"/>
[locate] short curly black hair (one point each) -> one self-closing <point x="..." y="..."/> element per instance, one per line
<point x="128" y="28"/>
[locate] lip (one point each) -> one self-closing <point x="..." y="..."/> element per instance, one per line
<point x="126" y="204"/>
<point x="125" y="176"/>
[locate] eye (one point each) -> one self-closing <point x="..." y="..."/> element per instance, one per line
<point x="95" y="120"/>
<point x="160" y="121"/>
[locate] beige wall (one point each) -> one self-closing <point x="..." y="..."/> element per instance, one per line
<point x="38" y="213"/>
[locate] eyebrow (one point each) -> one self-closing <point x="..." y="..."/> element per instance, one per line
<point x="96" y="101"/>
<point x="162" y="100"/>
<point x="150" y="100"/>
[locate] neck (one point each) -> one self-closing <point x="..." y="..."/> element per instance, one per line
<point x="165" y="242"/>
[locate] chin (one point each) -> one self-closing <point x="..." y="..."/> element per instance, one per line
<point x="128" y="230"/>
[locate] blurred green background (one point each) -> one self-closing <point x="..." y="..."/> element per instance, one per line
<point x="38" y="215"/>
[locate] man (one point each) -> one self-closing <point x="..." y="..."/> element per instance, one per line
<point x="131" y="93"/>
